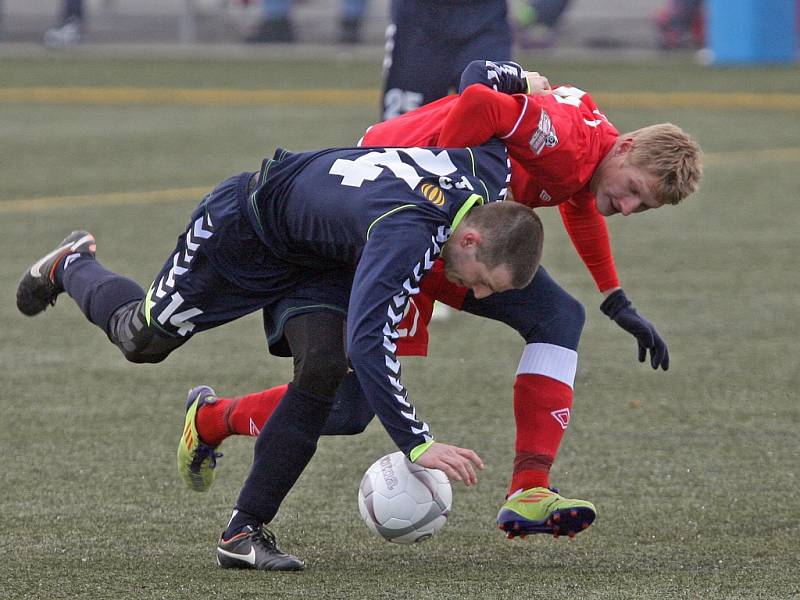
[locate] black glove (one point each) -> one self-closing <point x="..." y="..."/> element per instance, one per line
<point x="618" y="308"/>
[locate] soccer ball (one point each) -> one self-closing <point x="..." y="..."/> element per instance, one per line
<point x="403" y="502"/>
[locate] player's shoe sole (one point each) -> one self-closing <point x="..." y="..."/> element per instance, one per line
<point x="38" y="289"/>
<point x="197" y="460"/>
<point x="255" y="549"/>
<point x="541" y="510"/>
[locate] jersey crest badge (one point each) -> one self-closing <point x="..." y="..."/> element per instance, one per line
<point x="433" y="193"/>
<point x="545" y="134"/>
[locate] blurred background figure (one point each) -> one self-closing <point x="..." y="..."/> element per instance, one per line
<point x="428" y="45"/>
<point x="275" y="23"/>
<point x="430" y="42"/>
<point x="70" y="30"/>
<point x="535" y="22"/>
<point x="680" y="25"/>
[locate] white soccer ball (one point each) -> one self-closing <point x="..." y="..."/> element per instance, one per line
<point x="404" y="502"/>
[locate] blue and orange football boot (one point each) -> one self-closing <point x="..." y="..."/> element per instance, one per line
<point x="196" y="459"/>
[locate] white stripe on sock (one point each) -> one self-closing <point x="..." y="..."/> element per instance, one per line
<point x="552" y="361"/>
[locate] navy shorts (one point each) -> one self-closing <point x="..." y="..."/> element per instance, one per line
<point x="220" y="270"/>
<point x="430" y="43"/>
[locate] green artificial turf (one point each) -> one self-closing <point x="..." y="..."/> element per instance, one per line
<point x="694" y="471"/>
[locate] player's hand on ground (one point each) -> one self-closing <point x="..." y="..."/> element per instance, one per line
<point x="618" y="308"/>
<point x="539" y="84"/>
<point x="458" y="464"/>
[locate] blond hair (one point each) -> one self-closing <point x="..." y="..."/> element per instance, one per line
<point x="672" y="155"/>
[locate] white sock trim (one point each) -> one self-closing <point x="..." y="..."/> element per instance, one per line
<point x="552" y="361"/>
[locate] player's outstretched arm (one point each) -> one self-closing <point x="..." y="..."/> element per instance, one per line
<point x="619" y="309"/>
<point x="588" y="232"/>
<point x="458" y="464"/>
<point x="400" y="249"/>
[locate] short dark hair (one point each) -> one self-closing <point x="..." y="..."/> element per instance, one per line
<point x="512" y="236"/>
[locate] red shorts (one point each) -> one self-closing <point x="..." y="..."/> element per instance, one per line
<point x="413" y="329"/>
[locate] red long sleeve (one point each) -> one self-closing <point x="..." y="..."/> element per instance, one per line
<point x="587" y="230"/>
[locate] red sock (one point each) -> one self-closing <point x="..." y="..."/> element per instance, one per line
<point x="243" y="415"/>
<point x="541" y="408"/>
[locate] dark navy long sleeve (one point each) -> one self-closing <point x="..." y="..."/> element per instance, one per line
<point x="385" y="213"/>
<point x="502" y="76"/>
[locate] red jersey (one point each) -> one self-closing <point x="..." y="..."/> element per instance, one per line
<point x="555" y="143"/>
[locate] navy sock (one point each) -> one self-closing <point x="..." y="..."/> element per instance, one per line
<point x="284" y="447"/>
<point x="239" y="520"/>
<point x="98" y="291"/>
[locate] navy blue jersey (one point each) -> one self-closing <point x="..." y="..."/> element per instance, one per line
<point x="385" y="213"/>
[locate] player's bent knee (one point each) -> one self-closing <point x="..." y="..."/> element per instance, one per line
<point x="142" y="356"/>
<point x="577" y="314"/>
<point x="564" y="324"/>
<point x="320" y="371"/>
<point x="349" y="420"/>
<point x="138" y="342"/>
<point x="571" y="319"/>
<point x="355" y="424"/>
<point x="351" y="413"/>
<point x="360" y="418"/>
